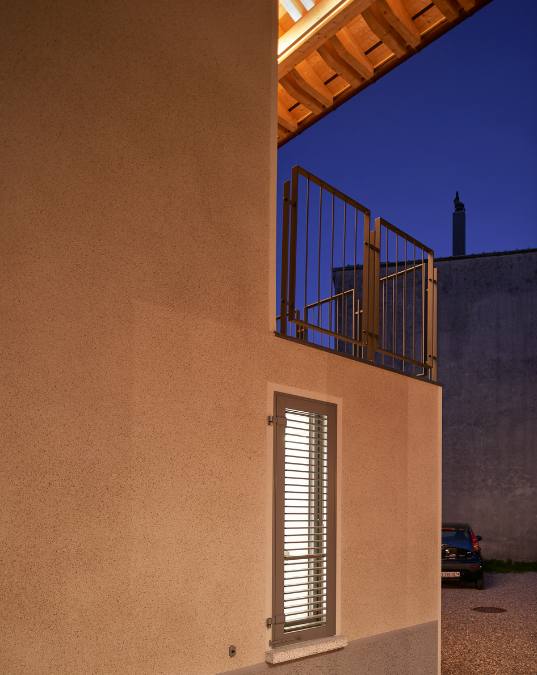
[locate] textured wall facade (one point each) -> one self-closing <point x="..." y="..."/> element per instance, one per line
<point x="138" y="239"/>
<point x="487" y="310"/>
<point x="410" y="650"/>
<point x="389" y="486"/>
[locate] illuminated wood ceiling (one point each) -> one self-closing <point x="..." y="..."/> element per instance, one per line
<point x="330" y="49"/>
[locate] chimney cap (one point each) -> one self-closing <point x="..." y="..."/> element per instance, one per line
<point x="459" y="206"/>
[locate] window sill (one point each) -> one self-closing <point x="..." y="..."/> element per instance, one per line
<point x="301" y="649"/>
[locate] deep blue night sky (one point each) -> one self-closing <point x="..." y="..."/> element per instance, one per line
<point x="459" y="115"/>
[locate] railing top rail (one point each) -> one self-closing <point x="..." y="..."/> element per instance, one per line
<point x="405" y="235"/>
<point x="299" y="171"/>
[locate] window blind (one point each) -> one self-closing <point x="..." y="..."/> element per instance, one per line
<point x="304" y="528"/>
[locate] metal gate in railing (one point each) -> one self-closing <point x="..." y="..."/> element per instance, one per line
<point x="368" y="293"/>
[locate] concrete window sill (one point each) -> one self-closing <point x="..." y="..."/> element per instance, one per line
<point x="302" y="649"/>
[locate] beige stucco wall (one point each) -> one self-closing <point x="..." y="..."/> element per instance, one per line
<point x="137" y="236"/>
<point x="389" y="486"/>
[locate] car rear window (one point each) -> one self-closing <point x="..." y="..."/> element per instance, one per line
<point x="451" y="535"/>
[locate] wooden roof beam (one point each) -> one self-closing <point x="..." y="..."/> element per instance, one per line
<point x="339" y="65"/>
<point x="291" y="84"/>
<point x="452" y="9"/>
<point x="400" y="20"/>
<point x="384" y="31"/>
<point x="467" y="4"/>
<point x="306" y="86"/>
<point x="449" y="8"/>
<point x="285" y="119"/>
<point x="313" y="84"/>
<point x="314" y="28"/>
<point x="347" y="50"/>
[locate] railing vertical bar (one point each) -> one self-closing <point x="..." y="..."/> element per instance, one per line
<point x="343" y="298"/>
<point x="414" y="305"/>
<point x="337" y="342"/>
<point x="353" y="301"/>
<point x="284" y="297"/>
<point x="307" y="244"/>
<point x="319" y="261"/>
<point x="423" y="280"/>
<point x="431" y="337"/>
<point x="355" y="313"/>
<point x="331" y="271"/>
<point x="366" y="301"/>
<point x="434" y="373"/>
<point x="383" y="336"/>
<point x="293" y="252"/>
<point x="404" y="309"/>
<point x="394" y="304"/>
<point x="387" y="290"/>
<point x="376" y="284"/>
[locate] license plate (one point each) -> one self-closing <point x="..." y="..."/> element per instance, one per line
<point x="451" y="574"/>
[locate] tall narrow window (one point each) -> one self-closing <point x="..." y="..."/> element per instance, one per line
<point x="304" y="519"/>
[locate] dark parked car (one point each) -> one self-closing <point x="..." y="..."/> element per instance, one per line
<point x="461" y="554"/>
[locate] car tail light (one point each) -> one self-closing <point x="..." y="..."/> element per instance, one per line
<point x="475" y="543"/>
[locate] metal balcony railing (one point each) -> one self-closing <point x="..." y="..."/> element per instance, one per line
<point x="366" y="292"/>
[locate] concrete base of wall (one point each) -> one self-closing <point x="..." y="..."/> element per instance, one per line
<point x="409" y="651"/>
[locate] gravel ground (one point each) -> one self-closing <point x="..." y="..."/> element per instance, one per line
<point x="491" y="644"/>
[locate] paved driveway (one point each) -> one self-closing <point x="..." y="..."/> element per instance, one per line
<point x="491" y="644"/>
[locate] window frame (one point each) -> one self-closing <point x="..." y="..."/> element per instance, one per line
<point x="289" y="401"/>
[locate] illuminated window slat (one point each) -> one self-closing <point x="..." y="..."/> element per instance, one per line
<point x="304" y="537"/>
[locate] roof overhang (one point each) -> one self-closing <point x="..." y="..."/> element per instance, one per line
<point x="329" y="50"/>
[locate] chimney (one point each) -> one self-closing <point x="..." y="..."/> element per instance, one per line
<point x="459" y="227"/>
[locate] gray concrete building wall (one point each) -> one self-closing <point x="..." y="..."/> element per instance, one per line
<point x="487" y="333"/>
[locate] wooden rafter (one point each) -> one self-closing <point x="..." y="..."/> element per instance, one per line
<point x="467" y="4"/>
<point x="313" y="84"/>
<point x="339" y="65"/>
<point x="292" y="86"/>
<point x="285" y="119"/>
<point x="349" y="51"/>
<point x="399" y="19"/>
<point x="449" y="8"/>
<point x="314" y="28"/>
<point x="307" y="88"/>
<point x="384" y="31"/>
